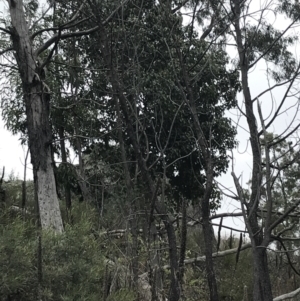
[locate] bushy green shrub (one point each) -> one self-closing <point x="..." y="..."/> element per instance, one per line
<point x="18" y="279"/>
<point x="73" y="264"/>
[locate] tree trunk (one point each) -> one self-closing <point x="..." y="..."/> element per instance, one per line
<point x="2" y="191"/>
<point x="80" y="172"/>
<point x="64" y="161"/>
<point x="211" y="277"/>
<point x="24" y="191"/>
<point x="204" y="150"/>
<point x="36" y="97"/>
<point x="130" y="197"/>
<point x="262" y="290"/>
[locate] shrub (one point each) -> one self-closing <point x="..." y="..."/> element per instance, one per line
<point x="73" y="264"/>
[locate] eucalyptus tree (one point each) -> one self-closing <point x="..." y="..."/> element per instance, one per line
<point x="36" y="99"/>
<point x="255" y="42"/>
<point x="30" y="46"/>
<point x="207" y="89"/>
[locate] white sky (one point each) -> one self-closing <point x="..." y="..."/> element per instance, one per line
<point x="12" y="154"/>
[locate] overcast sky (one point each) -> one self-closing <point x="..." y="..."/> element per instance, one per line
<point x="11" y="153"/>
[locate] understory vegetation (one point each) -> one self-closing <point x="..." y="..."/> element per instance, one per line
<point x="91" y="261"/>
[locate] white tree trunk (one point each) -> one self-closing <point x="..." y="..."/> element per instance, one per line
<point x="50" y="215"/>
<point x="36" y="98"/>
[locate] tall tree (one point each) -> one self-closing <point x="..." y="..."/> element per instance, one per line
<point x="32" y="56"/>
<point x="37" y="101"/>
<point x="254" y="43"/>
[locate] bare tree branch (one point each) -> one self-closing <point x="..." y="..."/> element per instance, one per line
<point x="286" y="136"/>
<point x="47" y="60"/>
<point x="281" y="218"/>
<point x="52" y="40"/>
<point x="270" y="89"/>
<point x="6" y="50"/>
<point x="289" y="295"/>
<point x="283" y="99"/>
<point x="174" y="10"/>
<point x="6" y="30"/>
<point x="272" y="45"/>
<point x="214" y="255"/>
<point x="57" y="28"/>
<point x="42" y="16"/>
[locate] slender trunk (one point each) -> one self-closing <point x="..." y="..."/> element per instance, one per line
<point x="204" y="151"/>
<point x="208" y="240"/>
<point x="2" y="191"/>
<point x="24" y="192"/>
<point x="183" y="240"/>
<point x="39" y="286"/>
<point x="262" y="289"/>
<point x="36" y="97"/>
<point x="61" y="130"/>
<point x="130" y="196"/>
<point x="160" y="207"/>
<point x="81" y="174"/>
<point x="211" y="277"/>
<point x="65" y="162"/>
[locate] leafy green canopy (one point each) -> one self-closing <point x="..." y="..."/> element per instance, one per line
<point x="144" y="50"/>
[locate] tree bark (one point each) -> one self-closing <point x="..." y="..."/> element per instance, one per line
<point x="262" y="289"/>
<point x="24" y="191"/>
<point x="36" y="97"/>
<point x="130" y="197"/>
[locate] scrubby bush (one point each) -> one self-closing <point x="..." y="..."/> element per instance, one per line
<point x="18" y="247"/>
<point x="73" y="264"/>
